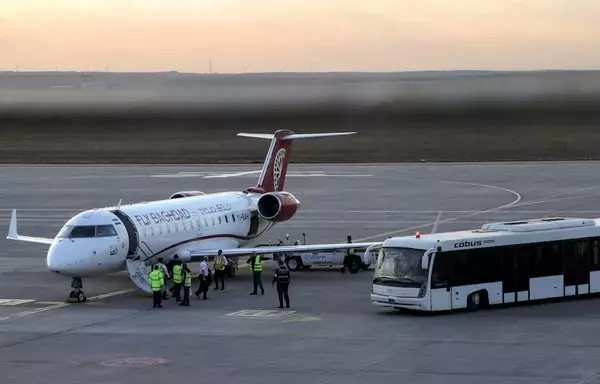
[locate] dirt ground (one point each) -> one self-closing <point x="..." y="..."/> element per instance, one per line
<point x="383" y="136"/>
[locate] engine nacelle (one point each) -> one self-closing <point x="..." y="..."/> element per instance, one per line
<point x="277" y="206"/>
<point x="181" y="194"/>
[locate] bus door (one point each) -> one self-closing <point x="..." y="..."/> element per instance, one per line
<point x="441" y="280"/>
<point x="576" y="265"/>
<point x="509" y="275"/>
<point x="523" y="255"/>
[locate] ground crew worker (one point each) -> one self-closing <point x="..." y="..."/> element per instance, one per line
<point x="282" y="278"/>
<point x="177" y="279"/>
<point x="166" y="276"/>
<point x="219" y="265"/>
<point x="187" y="285"/>
<point x="349" y="259"/>
<point x="204" y="277"/>
<point x="157" y="281"/>
<point x="255" y="262"/>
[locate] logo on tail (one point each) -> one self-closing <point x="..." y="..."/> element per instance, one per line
<point x="278" y="165"/>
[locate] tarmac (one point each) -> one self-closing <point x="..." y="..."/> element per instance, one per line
<point x="332" y="333"/>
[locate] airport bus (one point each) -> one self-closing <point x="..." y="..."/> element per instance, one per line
<point x="500" y="263"/>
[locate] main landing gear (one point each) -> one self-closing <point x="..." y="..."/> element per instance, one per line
<point x="76" y="295"/>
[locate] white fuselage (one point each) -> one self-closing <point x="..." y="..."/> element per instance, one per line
<point x="87" y="245"/>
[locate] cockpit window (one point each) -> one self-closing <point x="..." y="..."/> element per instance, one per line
<point x="105" y="231"/>
<point x="87" y="231"/>
<point x="83" y="231"/>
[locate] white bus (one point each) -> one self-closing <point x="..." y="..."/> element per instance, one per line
<point x="500" y="263"/>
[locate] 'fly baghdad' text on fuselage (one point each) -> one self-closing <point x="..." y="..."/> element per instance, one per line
<point x="167" y="216"/>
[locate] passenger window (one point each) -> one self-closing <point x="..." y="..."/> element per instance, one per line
<point x="198" y="224"/>
<point x="205" y="222"/>
<point x="83" y="232"/>
<point x="220" y="220"/>
<point x="226" y="220"/>
<point x="213" y="221"/>
<point x="160" y="229"/>
<point x="105" y="231"/>
<point x="233" y="217"/>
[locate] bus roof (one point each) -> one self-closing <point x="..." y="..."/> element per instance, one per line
<point x="502" y="233"/>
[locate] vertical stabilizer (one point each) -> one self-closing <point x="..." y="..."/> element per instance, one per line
<point x="272" y="176"/>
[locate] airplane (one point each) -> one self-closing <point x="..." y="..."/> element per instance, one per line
<point x="190" y="224"/>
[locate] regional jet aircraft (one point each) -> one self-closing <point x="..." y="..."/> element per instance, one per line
<point x="190" y="224"/>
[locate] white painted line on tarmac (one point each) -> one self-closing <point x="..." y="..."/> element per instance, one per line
<point x="62" y="305"/>
<point x="260" y="314"/>
<point x="11" y="302"/>
<point x="111" y="294"/>
<point x="517" y="199"/>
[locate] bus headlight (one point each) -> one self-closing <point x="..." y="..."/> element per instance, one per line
<point x="422" y="290"/>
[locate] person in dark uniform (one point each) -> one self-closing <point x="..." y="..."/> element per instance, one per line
<point x="349" y="259"/>
<point x="282" y="278"/>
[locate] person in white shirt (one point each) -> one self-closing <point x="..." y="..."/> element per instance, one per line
<point x="204" y="278"/>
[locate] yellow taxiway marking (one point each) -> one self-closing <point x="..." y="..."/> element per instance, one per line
<point x="57" y="305"/>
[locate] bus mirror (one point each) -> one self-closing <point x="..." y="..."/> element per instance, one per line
<point x="425" y="261"/>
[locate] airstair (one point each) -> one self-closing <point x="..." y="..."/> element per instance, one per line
<point x="139" y="267"/>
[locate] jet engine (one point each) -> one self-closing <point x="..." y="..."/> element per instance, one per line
<point x="181" y="194"/>
<point x="277" y="206"/>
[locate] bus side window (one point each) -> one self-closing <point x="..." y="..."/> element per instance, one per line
<point x="595" y="256"/>
<point x="442" y="270"/>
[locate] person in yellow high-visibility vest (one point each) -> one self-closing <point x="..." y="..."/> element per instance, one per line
<point x="255" y="262"/>
<point x="187" y="285"/>
<point x="219" y="265"/>
<point x="156" y="279"/>
<point x="177" y="279"/>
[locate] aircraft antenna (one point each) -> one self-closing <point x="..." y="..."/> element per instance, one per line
<point x="119" y="205"/>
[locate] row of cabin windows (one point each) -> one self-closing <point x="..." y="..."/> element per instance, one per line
<point x="187" y="225"/>
<point x="515" y="265"/>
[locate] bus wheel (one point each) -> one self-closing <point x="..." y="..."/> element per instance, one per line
<point x="474" y="301"/>
<point x="294" y="263"/>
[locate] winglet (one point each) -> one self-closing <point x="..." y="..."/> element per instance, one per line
<point x="12" y="228"/>
<point x="14" y="235"/>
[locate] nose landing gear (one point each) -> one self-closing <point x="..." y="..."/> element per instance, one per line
<point x="76" y="295"/>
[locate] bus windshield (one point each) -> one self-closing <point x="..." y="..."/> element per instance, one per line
<point x="400" y="266"/>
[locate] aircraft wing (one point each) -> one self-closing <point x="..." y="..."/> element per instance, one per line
<point x="193" y="253"/>
<point x="14" y="235"/>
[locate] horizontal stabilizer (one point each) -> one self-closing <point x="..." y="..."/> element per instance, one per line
<point x="257" y="135"/>
<point x="278" y="249"/>
<point x="294" y="135"/>
<point x="14" y="235"/>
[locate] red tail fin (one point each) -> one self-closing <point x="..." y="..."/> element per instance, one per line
<point x="272" y="176"/>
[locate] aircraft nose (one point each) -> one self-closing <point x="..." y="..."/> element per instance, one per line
<point x="54" y="260"/>
<point x="60" y="257"/>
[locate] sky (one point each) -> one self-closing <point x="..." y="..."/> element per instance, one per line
<point x="298" y="35"/>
